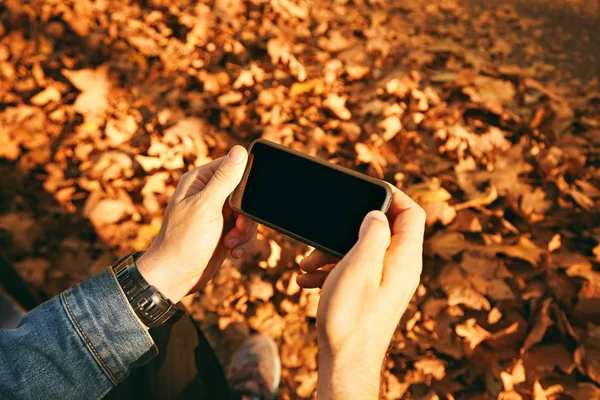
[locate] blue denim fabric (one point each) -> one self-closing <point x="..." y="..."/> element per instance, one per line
<point x="78" y="345"/>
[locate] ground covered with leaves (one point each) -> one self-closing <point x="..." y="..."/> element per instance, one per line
<point x="106" y="104"/>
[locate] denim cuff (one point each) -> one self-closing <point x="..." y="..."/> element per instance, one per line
<point x="106" y="323"/>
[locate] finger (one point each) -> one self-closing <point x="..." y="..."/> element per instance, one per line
<point x="244" y="248"/>
<point x="373" y="238"/>
<point x="412" y="216"/>
<point x="235" y="238"/>
<point x="188" y="181"/>
<point x="227" y="176"/>
<point x="312" y="280"/>
<point x="316" y="260"/>
<point x="404" y="259"/>
<point x="245" y="224"/>
<point x="363" y="264"/>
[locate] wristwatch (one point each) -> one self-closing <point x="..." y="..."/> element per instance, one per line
<point x="150" y="305"/>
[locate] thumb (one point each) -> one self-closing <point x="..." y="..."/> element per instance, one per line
<point x="374" y="236"/>
<point x="227" y="176"/>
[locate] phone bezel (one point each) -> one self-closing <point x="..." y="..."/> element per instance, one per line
<point x="238" y="193"/>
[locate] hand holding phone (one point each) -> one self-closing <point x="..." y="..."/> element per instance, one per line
<point x="363" y="298"/>
<point x="311" y="200"/>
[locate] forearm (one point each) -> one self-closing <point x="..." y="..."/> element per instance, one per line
<point x="79" y="344"/>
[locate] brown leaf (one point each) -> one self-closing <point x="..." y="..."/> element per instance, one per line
<point x="516" y="376"/>
<point x="23" y="228"/>
<point x="337" y="105"/>
<point x="442" y="212"/>
<point x="259" y="289"/>
<point x="432" y="366"/>
<point x="335" y="42"/>
<point x="554" y="243"/>
<point x="108" y="212"/>
<point x="287" y="283"/>
<point x="229" y="98"/>
<point x="446" y="244"/>
<point x="94" y="86"/>
<point x="188" y="134"/>
<point x="48" y="95"/>
<point x="281" y="51"/>
<point x="534" y="203"/>
<point x="274" y="256"/>
<point x="473" y="333"/>
<point x="267" y="321"/>
<point x="120" y="131"/>
<point x="428" y="192"/>
<point x="391" y="126"/>
<point x="149" y="163"/>
<point x="542" y="323"/>
<point x="460" y="290"/>
<point x="539" y="393"/>
<point x="524" y="249"/>
<point x="395" y="388"/>
<point x="33" y="270"/>
<point x="308" y="384"/>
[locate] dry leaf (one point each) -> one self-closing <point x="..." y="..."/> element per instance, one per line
<point x="460" y="290"/>
<point x="337" y="105"/>
<point x="446" y="244"/>
<point x="94" y="86"/>
<point x="108" y="212"/>
<point x="391" y="126"/>
<point x="473" y="333"/>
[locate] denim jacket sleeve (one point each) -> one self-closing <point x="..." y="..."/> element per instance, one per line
<point x="78" y="345"/>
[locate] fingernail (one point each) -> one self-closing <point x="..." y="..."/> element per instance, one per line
<point x="233" y="242"/>
<point x="237" y="154"/>
<point x="378" y="215"/>
<point x="237" y="253"/>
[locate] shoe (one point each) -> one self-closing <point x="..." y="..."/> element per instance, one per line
<point x="255" y="369"/>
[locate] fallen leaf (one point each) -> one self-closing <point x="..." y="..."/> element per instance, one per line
<point x="274" y="256"/>
<point x="473" y="333"/>
<point x="337" y="105"/>
<point x="48" y="95"/>
<point x="542" y="323"/>
<point x="94" y="86"/>
<point x="259" y="289"/>
<point x="108" y="212"/>
<point x="554" y="243"/>
<point x="524" y="249"/>
<point x="281" y="51"/>
<point x="460" y="290"/>
<point x="391" y="126"/>
<point x="446" y="244"/>
<point x="434" y="367"/>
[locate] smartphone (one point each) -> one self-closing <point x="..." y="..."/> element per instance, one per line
<point x="316" y="202"/>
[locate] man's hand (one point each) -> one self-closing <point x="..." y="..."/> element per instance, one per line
<point x="364" y="297"/>
<point x="199" y="229"/>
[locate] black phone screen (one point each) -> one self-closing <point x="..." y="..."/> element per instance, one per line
<point x="312" y="200"/>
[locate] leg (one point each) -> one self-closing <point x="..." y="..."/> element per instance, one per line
<point x="186" y="368"/>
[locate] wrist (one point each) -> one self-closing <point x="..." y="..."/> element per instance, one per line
<point x="355" y="374"/>
<point x="150" y="265"/>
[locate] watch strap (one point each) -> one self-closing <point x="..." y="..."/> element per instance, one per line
<point x="149" y="304"/>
